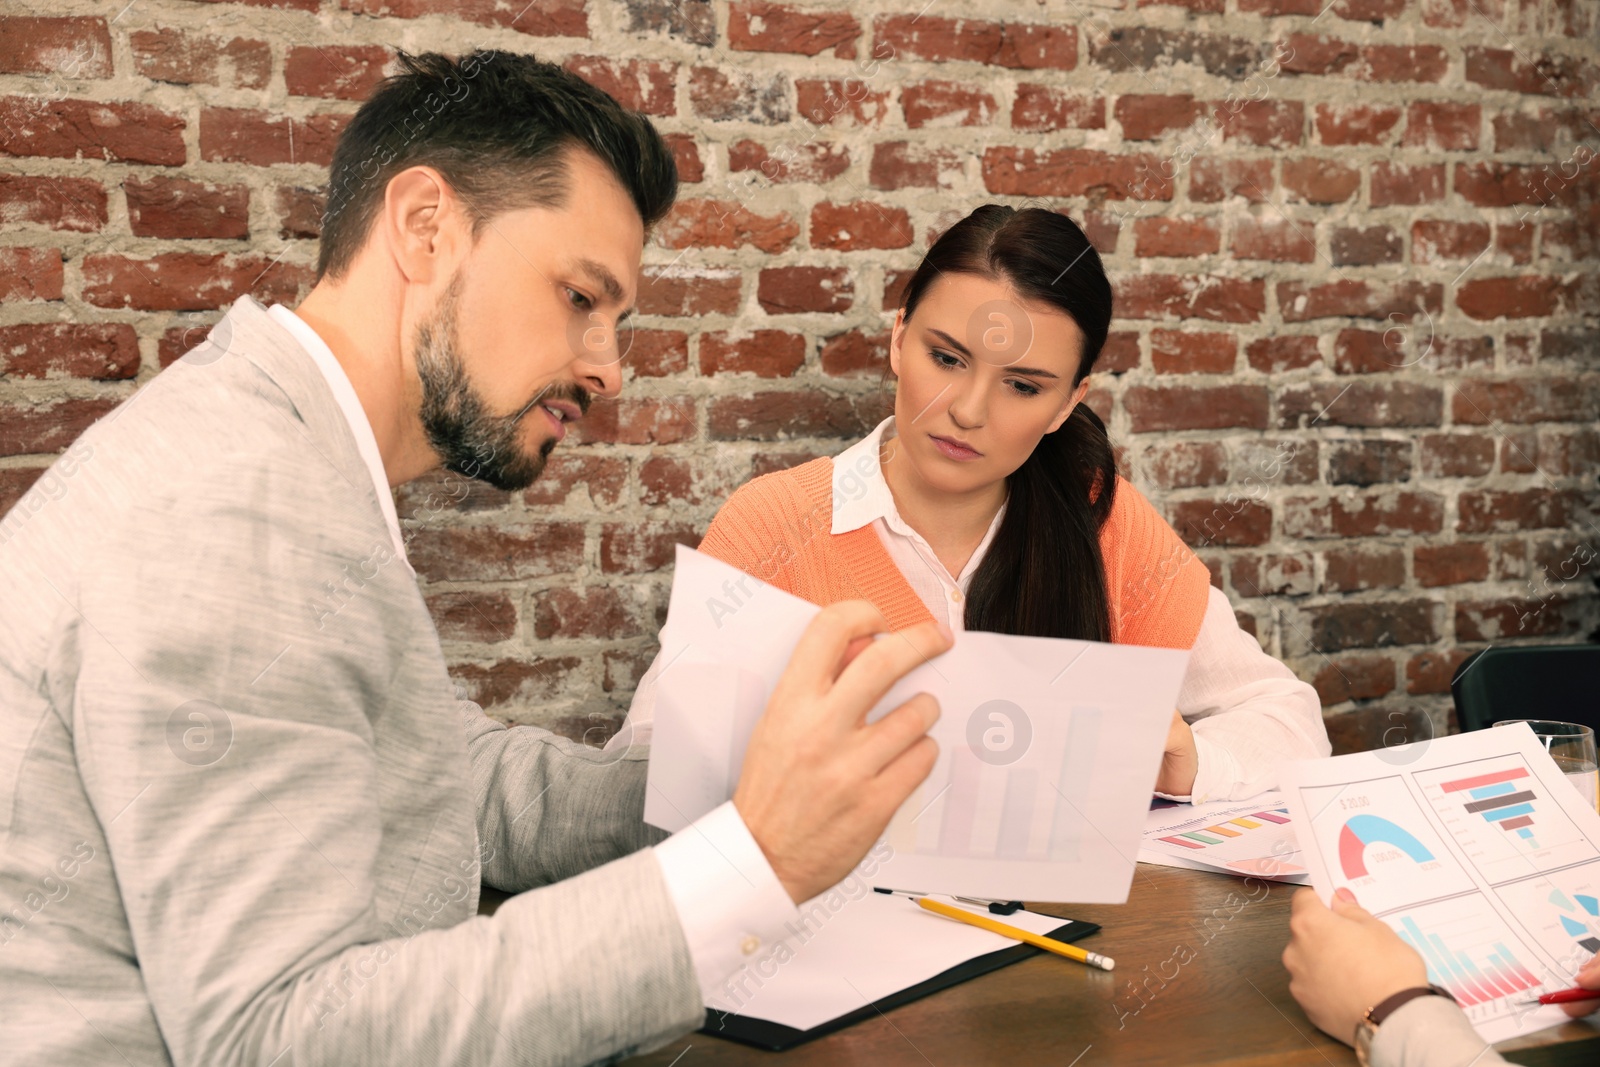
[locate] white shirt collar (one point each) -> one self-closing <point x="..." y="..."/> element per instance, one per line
<point x="350" y="404"/>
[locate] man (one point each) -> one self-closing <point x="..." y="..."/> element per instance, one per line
<point x="245" y="817"/>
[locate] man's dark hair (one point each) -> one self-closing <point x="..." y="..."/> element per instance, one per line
<point x="497" y="126"/>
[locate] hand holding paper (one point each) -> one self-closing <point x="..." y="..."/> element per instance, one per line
<point x="819" y="782"/>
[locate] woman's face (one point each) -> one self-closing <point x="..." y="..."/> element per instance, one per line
<point x="982" y="377"/>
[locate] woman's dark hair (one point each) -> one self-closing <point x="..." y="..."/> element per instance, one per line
<point x="1042" y="575"/>
<point x="497" y="126"/>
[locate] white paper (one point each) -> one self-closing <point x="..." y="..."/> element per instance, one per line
<point x="843" y="954"/>
<point x="1474" y="848"/>
<point x="1244" y="838"/>
<point x="1047" y="748"/>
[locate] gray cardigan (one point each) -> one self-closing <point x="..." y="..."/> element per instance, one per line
<point x="245" y="816"/>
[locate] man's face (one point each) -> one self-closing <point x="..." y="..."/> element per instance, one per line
<point x="525" y="334"/>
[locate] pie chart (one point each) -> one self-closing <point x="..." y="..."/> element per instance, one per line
<point x="1363" y="830"/>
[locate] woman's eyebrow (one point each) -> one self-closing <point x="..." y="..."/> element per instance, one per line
<point x="959" y="347"/>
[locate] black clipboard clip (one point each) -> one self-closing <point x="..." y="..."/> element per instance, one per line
<point x="996" y="907"/>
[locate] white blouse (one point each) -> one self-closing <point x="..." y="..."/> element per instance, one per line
<point x="1249" y="711"/>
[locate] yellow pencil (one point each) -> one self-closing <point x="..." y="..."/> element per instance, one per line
<point x="1060" y="948"/>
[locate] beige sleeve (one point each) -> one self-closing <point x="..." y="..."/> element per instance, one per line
<point x="1430" y="1032"/>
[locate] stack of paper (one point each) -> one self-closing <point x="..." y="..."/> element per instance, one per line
<point x="1244" y="838"/>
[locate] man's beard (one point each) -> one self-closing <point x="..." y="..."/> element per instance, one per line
<point x="468" y="439"/>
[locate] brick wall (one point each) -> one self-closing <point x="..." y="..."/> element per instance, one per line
<point x="1354" y="251"/>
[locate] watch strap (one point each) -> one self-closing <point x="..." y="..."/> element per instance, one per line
<point x="1387" y="1007"/>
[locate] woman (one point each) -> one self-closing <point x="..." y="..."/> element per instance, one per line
<point x="990" y="501"/>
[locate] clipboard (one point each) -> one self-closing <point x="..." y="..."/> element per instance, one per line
<point x="775" y="1037"/>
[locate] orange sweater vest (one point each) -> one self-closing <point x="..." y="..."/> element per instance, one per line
<point x="777" y="527"/>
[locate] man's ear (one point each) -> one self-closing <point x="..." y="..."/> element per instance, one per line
<point x="422" y="223"/>
<point x="1077" y="398"/>
<point x="896" y="335"/>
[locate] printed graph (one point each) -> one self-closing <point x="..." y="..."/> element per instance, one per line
<point x="1497" y="811"/>
<point x="1470" y="951"/>
<point x="1253" y="842"/>
<point x="1359" y="831"/>
<point x="1561" y="911"/>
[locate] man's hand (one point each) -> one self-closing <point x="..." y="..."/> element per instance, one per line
<point x="819" y="784"/>
<point x="1180" y="762"/>
<point x="1342" y="961"/>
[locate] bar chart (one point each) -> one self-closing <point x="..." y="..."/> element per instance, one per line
<point x="1471" y="952"/>
<point x="1497" y="812"/>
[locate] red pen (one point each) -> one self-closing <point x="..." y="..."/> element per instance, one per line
<point x="1568" y="996"/>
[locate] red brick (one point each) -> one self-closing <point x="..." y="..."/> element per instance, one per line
<point x="1187" y="464"/>
<point x="637" y="84"/>
<point x="756" y="26"/>
<point x="667" y="480"/>
<point x="121" y="132"/>
<point x="1403" y="63"/>
<point x="722" y="224"/>
<point x="1286" y="352"/>
<point x="1043" y="109"/>
<point x="1273" y="574"/>
<point x="1364" y="246"/>
<point x="1275" y="239"/>
<point x="1368" y="10"/>
<point x="1317" y="53"/>
<point x="1359" y="403"/>
<point x="790" y="290"/>
<point x="73" y="48"/>
<point x="239" y="135"/>
<point x="944" y="104"/>
<point x="47" y="426"/>
<point x="899" y="165"/>
<point x="859" y="225"/>
<point x="171" y="55"/>
<point x="1193" y="352"/>
<point x="599" y="478"/>
<point x="1450" y="564"/>
<point x="1120" y="353"/>
<point x="31" y="273"/>
<point x="1455" y="455"/>
<point x="1515" y="243"/>
<point x="1320" y="181"/>
<point x="1020" y="46"/>
<point x="639" y="422"/>
<point x="1196" y="407"/>
<point x="1368" y="351"/>
<point x="1443" y="127"/>
<point x="442" y="553"/>
<point x="1497" y="184"/>
<point x="1151" y="296"/>
<point x="1545" y="130"/>
<point x="1266" y="123"/>
<point x="686" y="155"/>
<point x="441" y="493"/>
<point x="766" y="353"/>
<point x="1273" y="8"/>
<point x="1545" y="616"/>
<point x="1480" y="401"/>
<point x="1355" y="569"/>
<point x="1397" y="183"/>
<point x="725" y="95"/>
<point x="687" y="291"/>
<point x="1354" y="678"/>
<point x="1212" y="180"/>
<point x="1433" y="240"/>
<point x="161" y="206"/>
<point x="855" y="353"/>
<point x="813" y="162"/>
<point x="774" y="416"/>
<point x="1510" y="510"/>
<point x="60" y="203"/>
<point x="1148" y="117"/>
<point x="847" y="101"/>
<point x="1430" y="672"/>
<point x="1160" y="236"/>
<point x="1237" y="521"/>
<point x="1335" y="627"/>
<point x="482" y="617"/>
<point x="655" y="353"/>
<point x="343" y="72"/>
<point x="506" y="681"/>
<point x="598" y="611"/>
<point x="1149" y="48"/>
<point x="1355" y="124"/>
<point x="538" y="18"/>
<point x="1380" y="514"/>
<point x="300" y="211"/>
<point x="189" y="281"/>
<point x="100" y="351"/>
<point x="1354" y="298"/>
<point x="1517" y="298"/>
<point x="1369" y="461"/>
<point x="1549" y="74"/>
<point x="15" y="483"/>
<point x="641" y="547"/>
<point x="1074" y="172"/>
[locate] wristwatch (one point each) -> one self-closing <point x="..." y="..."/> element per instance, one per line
<point x="1367" y="1026"/>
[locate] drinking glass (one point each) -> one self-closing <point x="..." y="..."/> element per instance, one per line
<point x="1572" y="747"/>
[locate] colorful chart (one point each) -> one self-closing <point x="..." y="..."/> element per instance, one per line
<point x="1222" y="831"/>
<point x="1501" y="798"/>
<point x="1561" y="910"/>
<point x="1580" y="928"/>
<point x="1495" y="973"/>
<point x="1500" y="814"/>
<point x="1363" y="830"/>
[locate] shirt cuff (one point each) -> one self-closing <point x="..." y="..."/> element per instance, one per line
<point x="1429" y="1030"/>
<point x="728" y="898"/>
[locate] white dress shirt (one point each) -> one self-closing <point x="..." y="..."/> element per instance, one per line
<point x="1249" y="712"/>
<point x="726" y="894"/>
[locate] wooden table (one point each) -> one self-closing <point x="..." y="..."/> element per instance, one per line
<point x="1204" y="948"/>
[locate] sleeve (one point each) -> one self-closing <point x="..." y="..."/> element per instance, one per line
<point x="1156" y="583"/>
<point x="1430" y="1032"/>
<point x="251" y="875"/>
<point x="1249" y="711"/>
